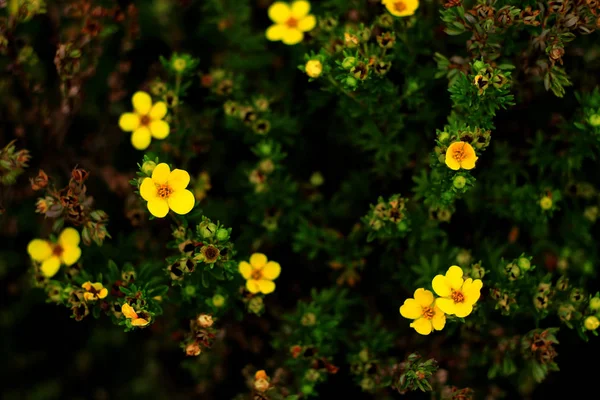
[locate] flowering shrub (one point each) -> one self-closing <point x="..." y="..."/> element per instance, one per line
<point x="284" y="200"/>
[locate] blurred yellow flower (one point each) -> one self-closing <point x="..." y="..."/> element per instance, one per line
<point x="591" y="323"/>
<point x="314" y="68"/>
<point x="457" y="296"/>
<point x="260" y="273"/>
<point x="167" y="190"/>
<point x="460" y="155"/>
<point x="401" y="8"/>
<point x="290" y="21"/>
<point x="146" y="121"/>
<point x="130" y="313"/>
<point x="427" y="316"/>
<point x="94" y="291"/>
<point x="51" y="255"/>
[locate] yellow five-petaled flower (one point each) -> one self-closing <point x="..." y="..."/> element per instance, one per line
<point x="52" y="255"/>
<point x="460" y="155"/>
<point x="457" y="296"/>
<point x="94" y="291"/>
<point x="167" y="190"/>
<point x="130" y="313"/>
<point x="291" y="21"/>
<point x="146" y="122"/>
<point x="426" y="314"/>
<point x="260" y="273"/>
<point x="401" y="8"/>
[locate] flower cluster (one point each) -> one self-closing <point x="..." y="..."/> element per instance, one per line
<point x="457" y="297"/>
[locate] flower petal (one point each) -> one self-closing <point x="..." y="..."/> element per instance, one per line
<point x="181" y="201"/>
<point x="142" y="102"/>
<point x="158" y="207"/>
<point x="307" y="23"/>
<point x="139" y="322"/>
<point x="50" y="266"/>
<point x="275" y="32"/>
<point x="468" y="163"/>
<point x="423" y="297"/>
<point x="258" y="260"/>
<point x="39" y="250"/>
<point x="472" y="290"/>
<point x="161" y="173"/>
<point x="178" y="179"/>
<point x="148" y="189"/>
<point x="452" y="163"/>
<point x="87" y="286"/>
<point x="271" y="270"/>
<point x="446" y="305"/>
<point x="129" y="122"/>
<point x="439" y="320"/>
<point x="454" y="276"/>
<point x="300" y="9"/>
<point x="441" y="286"/>
<point x="411" y="309"/>
<point x="292" y="36"/>
<point x="245" y="269"/>
<point x="69" y="237"/>
<point x="128" y="311"/>
<point x="141" y="137"/>
<point x="103" y="293"/>
<point x="279" y="12"/>
<point x="159" y="129"/>
<point x="158" y="110"/>
<point x="266" y="286"/>
<point x="252" y="286"/>
<point x="422" y="326"/>
<point x="70" y="255"/>
<point x="462" y="309"/>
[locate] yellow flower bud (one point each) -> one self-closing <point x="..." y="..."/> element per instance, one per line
<point x="546" y="203"/>
<point x="314" y="68"/>
<point x="591" y="323"/>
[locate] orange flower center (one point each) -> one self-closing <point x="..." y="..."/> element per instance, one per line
<point x="57" y="250"/>
<point x="257" y="274"/>
<point x="164" y="191"/>
<point x="292" y="22"/>
<point x="459" y="154"/>
<point x="457" y="296"/>
<point x="428" y="312"/>
<point x="400" y="6"/>
<point x="145" y="120"/>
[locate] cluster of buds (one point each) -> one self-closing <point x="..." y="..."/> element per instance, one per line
<point x="542" y="297"/>
<point x="504" y="300"/>
<point x="517" y="268"/>
<point x="485" y="76"/>
<point x="259" y="175"/>
<point x="538" y="345"/>
<point x="370" y="372"/>
<point x="251" y="115"/>
<point x="388" y="216"/>
<point x="12" y="163"/>
<point x="477" y="138"/>
<point x="72" y="204"/>
<point x="219" y="81"/>
<point x="201" y="335"/>
<point x="415" y="374"/>
<point x="25" y="10"/>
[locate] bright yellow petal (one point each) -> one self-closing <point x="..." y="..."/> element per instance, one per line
<point x="454" y="276"/>
<point x="159" y="129"/>
<point x="161" y="173"/>
<point x="140" y="138"/>
<point x="468" y="163"/>
<point x="142" y="102"/>
<point x="441" y="286"/>
<point x="411" y="309"/>
<point x="422" y="326"/>
<point x="128" y="311"/>
<point x="462" y="309"/>
<point x="103" y="293"/>
<point x="50" y="266"/>
<point x="148" y="189"/>
<point x="69" y="237"/>
<point x="266" y="286"/>
<point x="446" y="305"/>
<point x="181" y="201"/>
<point x="245" y="269"/>
<point x="472" y="290"/>
<point x="97" y="286"/>
<point x="452" y="163"/>
<point x="275" y="32"/>
<point x="158" y="111"/>
<point x="39" y="250"/>
<point x="258" y="260"/>
<point x="292" y="36"/>
<point x="279" y="12"/>
<point x="252" y="286"/>
<point x="439" y="320"/>
<point x="129" y="122"/>
<point x="87" y="285"/>
<point x="70" y="255"/>
<point x="307" y="23"/>
<point x="300" y="9"/>
<point x="89" y="296"/>
<point x="178" y="179"/>
<point x="158" y="207"/>
<point x="423" y="297"/>
<point x="271" y="270"/>
<point x="139" y="322"/>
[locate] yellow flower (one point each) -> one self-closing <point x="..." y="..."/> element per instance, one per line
<point x="460" y="155"/>
<point x="52" y="255"/>
<point x="130" y="313"/>
<point x="314" y="68"/>
<point x="591" y="323"/>
<point x="457" y="296"/>
<point x="546" y="203"/>
<point x="167" y="190"/>
<point x="259" y="273"/>
<point x="290" y="21"/>
<point x="179" y="64"/>
<point x="94" y="291"/>
<point x="146" y="121"/>
<point x="426" y="314"/>
<point x="401" y="8"/>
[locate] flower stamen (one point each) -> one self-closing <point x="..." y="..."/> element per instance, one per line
<point x="164" y="191"/>
<point x="428" y="312"/>
<point x="257" y="274"/>
<point x="399" y="6"/>
<point x="292" y="22"/>
<point x="145" y="120"/>
<point x="457" y="296"/>
<point x="57" y="250"/>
